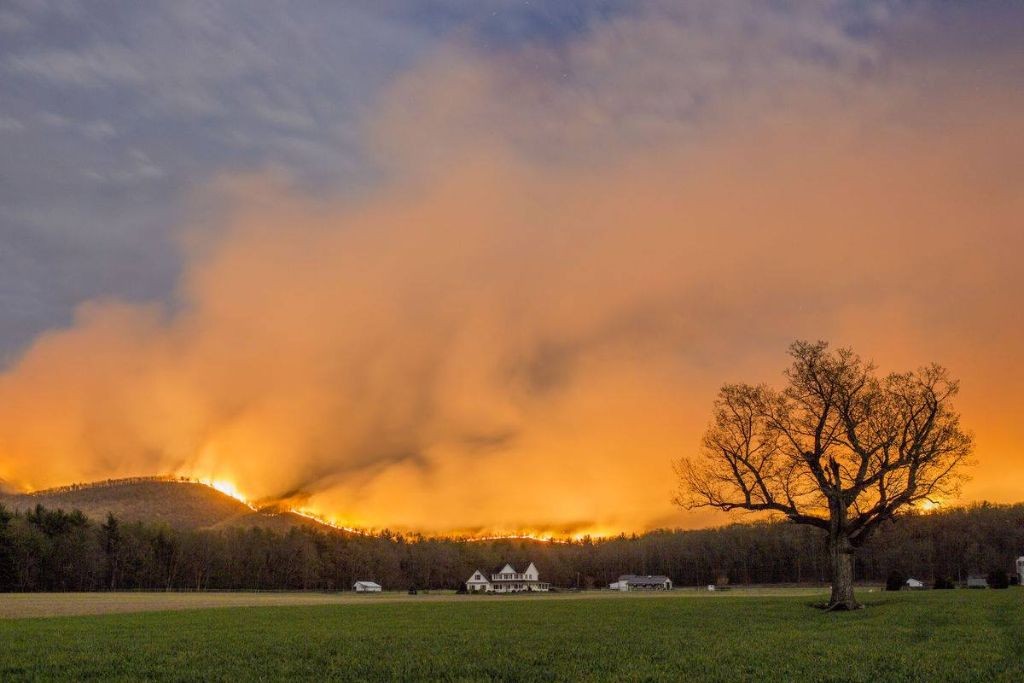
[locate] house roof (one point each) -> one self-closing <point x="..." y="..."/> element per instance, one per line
<point x="367" y="583"/>
<point x="643" y="580"/>
<point x="501" y="568"/>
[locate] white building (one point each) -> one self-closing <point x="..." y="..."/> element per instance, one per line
<point x="915" y="584"/>
<point x="507" y="580"/>
<point x="632" y="582"/>
<point x="366" y="587"/>
<point x="1020" y="570"/>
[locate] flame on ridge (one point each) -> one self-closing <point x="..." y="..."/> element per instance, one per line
<point x="230" y="489"/>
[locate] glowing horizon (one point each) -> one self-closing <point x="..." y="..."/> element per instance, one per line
<point x="349" y="525"/>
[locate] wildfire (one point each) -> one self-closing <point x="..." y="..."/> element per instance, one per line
<point x="325" y="521"/>
<point x="541" y="536"/>
<point x="228" y="489"/>
<point x="521" y="536"/>
<point x="544" y="536"/>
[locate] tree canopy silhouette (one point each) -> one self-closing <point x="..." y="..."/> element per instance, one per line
<point x="838" y="448"/>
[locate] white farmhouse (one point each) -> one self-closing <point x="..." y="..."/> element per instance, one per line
<point x="366" y="587"/>
<point x="507" y="580"/>
<point x="632" y="582"/>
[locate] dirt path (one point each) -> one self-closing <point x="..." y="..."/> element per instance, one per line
<point x="26" y="605"/>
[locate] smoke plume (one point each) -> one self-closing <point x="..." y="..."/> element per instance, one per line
<point x="526" y="320"/>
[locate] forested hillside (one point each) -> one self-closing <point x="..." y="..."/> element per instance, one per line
<point x="43" y="549"/>
<point x="178" y="503"/>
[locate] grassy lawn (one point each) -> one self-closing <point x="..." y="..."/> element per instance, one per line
<point x="928" y="636"/>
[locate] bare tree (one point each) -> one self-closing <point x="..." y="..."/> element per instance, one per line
<point x="838" y="448"/>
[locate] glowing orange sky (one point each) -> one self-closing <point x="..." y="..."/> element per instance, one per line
<point x="496" y="341"/>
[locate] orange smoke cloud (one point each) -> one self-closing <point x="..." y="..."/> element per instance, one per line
<point x="520" y="343"/>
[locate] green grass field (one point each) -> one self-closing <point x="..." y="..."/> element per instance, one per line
<point x="928" y="636"/>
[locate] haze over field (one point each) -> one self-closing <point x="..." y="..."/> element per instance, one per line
<point x="491" y="282"/>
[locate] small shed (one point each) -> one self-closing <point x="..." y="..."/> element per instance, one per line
<point x="1020" y="570"/>
<point x="915" y="584"/>
<point x="366" y="587"/>
<point x="977" y="581"/>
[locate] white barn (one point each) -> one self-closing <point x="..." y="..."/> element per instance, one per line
<point x="366" y="587"/>
<point x="507" y="580"/>
<point x="632" y="582"/>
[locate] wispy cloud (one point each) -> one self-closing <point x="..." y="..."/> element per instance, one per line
<point x="10" y="124"/>
<point x="94" y="66"/>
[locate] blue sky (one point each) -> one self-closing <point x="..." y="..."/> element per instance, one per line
<point x="112" y="112"/>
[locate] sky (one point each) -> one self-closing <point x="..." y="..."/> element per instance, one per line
<point x="482" y="266"/>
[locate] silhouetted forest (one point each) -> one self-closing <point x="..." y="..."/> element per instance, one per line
<point x="52" y="550"/>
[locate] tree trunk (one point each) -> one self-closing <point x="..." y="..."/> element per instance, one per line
<point x="842" y="552"/>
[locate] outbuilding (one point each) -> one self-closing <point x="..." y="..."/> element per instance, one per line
<point x="1020" y="570"/>
<point x="366" y="587"/>
<point x="632" y="582"/>
<point x="977" y="582"/>
<point x="915" y="584"/>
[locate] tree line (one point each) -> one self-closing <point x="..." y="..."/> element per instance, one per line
<point x="53" y="550"/>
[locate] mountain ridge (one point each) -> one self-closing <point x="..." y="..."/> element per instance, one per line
<point x="176" y="501"/>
